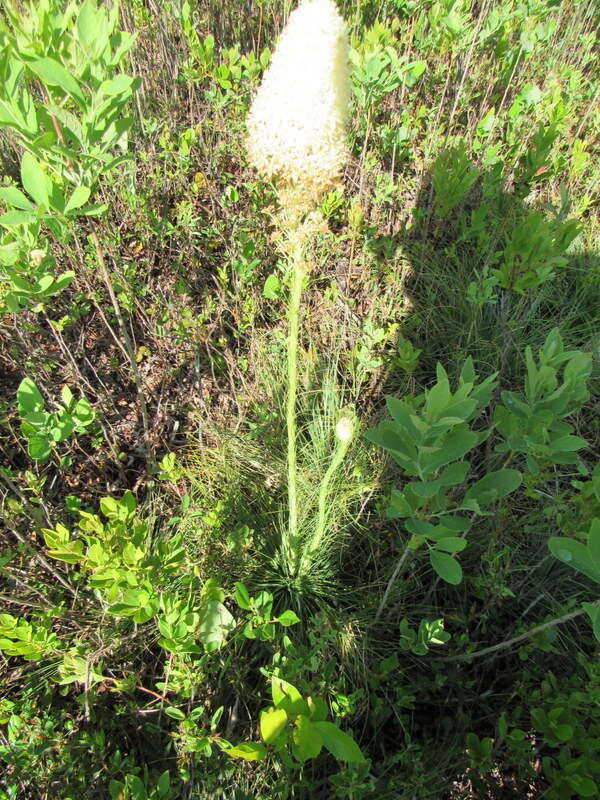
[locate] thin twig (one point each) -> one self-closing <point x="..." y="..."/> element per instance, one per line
<point x="391" y="582"/>
<point x="59" y="338"/>
<point x="24" y="603"/>
<point x="128" y="347"/>
<point x="29" y="506"/>
<point x="40" y="558"/>
<point x="510" y="642"/>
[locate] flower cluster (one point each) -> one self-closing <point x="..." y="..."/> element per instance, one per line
<point x="297" y="122"/>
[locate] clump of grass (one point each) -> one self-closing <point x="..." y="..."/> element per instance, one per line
<point x="245" y="474"/>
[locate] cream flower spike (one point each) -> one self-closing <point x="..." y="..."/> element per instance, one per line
<point x="297" y="122"/>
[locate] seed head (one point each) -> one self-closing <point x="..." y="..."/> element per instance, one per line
<point x="297" y="122"/>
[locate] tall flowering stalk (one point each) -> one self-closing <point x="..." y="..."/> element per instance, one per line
<point x="297" y="135"/>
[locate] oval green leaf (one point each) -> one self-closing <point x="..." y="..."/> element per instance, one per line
<point x="272" y="724"/>
<point x="446" y="567"/>
<point x="250" y="751"/>
<point x="29" y="397"/>
<point x="54" y="74"/>
<point x="307" y="741"/>
<point x="79" y="197"/>
<point x="287" y="697"/>
<point x="339" y="744"/>
<point x="34" y="180"/>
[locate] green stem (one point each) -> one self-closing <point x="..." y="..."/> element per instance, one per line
<point x="291" y="545"/>
<point x="338" y="457"/>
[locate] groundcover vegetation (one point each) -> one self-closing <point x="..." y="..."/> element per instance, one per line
<point x="300" y="324"/>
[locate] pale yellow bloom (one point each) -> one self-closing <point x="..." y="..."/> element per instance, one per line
<point x="36" y="257"/>
<point x="297" y="122"/>
<point x="344" y="430"/>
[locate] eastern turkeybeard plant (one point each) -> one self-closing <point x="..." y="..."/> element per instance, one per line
<point x="297" y="136"/>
